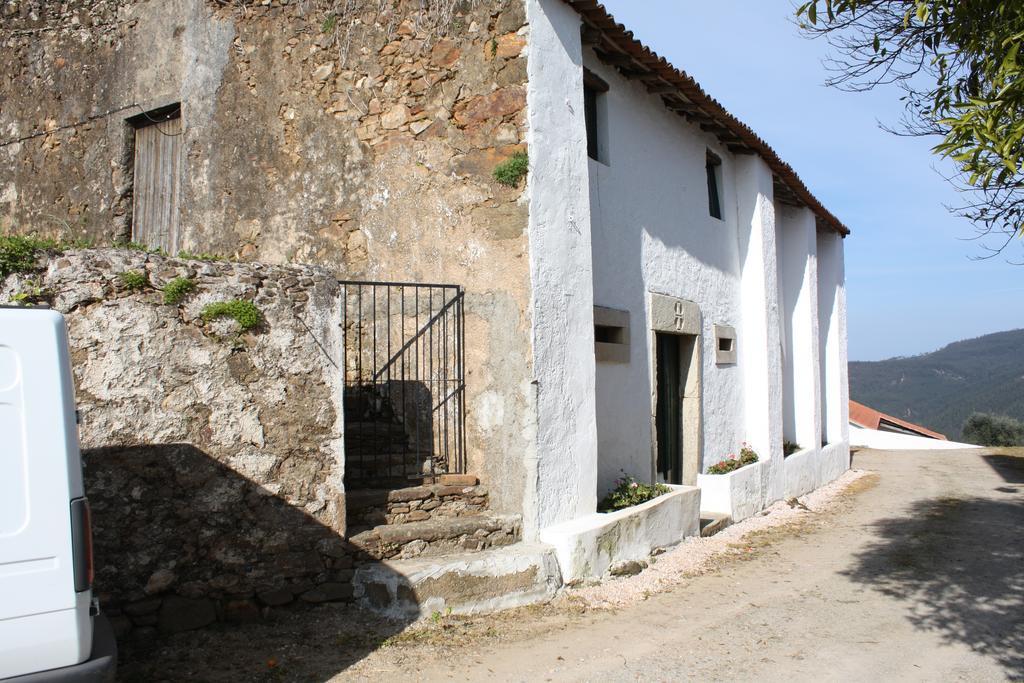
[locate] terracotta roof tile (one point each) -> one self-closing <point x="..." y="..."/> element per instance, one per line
<point x="870" y="418"/>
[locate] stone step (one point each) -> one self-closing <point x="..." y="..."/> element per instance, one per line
<point x="438" y="536"/>
<point x="446" y="498"/>
<point x="462" y="583"/>
<point x="711" y="523"/>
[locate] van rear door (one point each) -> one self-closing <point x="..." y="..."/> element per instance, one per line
<point x="44" y="622"/>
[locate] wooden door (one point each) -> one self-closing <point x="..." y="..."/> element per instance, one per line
<point x="157" y="182"/>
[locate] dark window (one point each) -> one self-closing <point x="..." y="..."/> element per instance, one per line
<point x="714" y="169"/>
<point x="724" y="344"/>
<point x="156" y="177"/>
<point x="590" y="113"/>
<point x="593" y="89"/>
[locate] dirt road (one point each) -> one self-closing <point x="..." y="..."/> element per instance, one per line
<point x="917" y="578"/>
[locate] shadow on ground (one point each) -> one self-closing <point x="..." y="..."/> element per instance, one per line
<point x="958" y="566"/>
<point x="246" y="578"/>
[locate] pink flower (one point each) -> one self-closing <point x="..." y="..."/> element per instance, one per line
<point x="633" y="485"/>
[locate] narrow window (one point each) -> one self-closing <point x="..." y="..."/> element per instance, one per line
<point x="714" y="170"/>
<point x="593" y="96"/>
<point x="157" y="170"/>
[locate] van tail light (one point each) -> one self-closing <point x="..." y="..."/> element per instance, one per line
<point x="81" y="544"/>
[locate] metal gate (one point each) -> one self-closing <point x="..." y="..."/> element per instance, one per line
<point x="405" y="388"/>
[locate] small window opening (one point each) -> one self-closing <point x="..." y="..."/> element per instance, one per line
<point x="608" y="334"/>
<point x="725" y="344"/>
<point x="593" y="92"/>
<point x="611" y="335"/>
<point x="713" y="165"/>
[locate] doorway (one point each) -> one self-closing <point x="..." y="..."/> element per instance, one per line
<point x="677" y="408"/>
<point x="668" y="414"/>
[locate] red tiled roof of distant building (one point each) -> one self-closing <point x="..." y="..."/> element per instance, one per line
<point x="870" y="418"/>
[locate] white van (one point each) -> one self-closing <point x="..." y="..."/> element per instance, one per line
<point x="50" y="627"/>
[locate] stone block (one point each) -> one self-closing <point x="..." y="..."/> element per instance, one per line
<point x="412" y="493"/>
<point x="185" y="614"/>
<point x="332" y="547"/>
<point x="141" y="607"/>
<point x="276" y="597"/>
<point x="239" y="611"/>
<point x="457" y="480"/>
<point x="328" y="592"/>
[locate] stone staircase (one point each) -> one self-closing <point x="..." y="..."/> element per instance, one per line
<point x="427" y="520"/>
<point x="425" y="540"/>
<point x="436" y="547"/>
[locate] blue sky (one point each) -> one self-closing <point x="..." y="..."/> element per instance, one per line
<point x="911" y="284"/>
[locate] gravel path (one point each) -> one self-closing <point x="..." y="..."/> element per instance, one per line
<point x="910" y="572"/>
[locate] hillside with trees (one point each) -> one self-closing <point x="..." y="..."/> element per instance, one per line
<point x="940" y="390"/>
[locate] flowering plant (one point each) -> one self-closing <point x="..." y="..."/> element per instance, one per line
<point x="747" y="456"/>
<point x="629" y="492"/>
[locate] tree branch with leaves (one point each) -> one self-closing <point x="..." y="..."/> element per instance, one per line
<point x="957" y="64"/>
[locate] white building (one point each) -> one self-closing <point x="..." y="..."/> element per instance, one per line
<point x="688" y="292"/>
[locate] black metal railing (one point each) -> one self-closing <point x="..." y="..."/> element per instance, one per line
<point x="405" y="391"/>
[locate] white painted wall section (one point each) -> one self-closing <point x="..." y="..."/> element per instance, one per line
<point x="832" y="322"/>
<point x="562" y="473"/>
<point x="653" y="233"/>
<point x="797" y="248"/>
<point x="759" y="342"/>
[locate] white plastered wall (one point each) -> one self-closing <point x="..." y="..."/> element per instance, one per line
<point x="796" y="241"/>
<point x="759" y="347"/>
<point x="653" y="233"/>
<point x="562" y="472"/>
<point x="832" y="332"/>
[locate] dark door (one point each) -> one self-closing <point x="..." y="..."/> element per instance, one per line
<point x="668" y="414"/>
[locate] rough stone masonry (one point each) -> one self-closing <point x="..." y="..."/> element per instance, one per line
<point x="213" y="457"/>
<point x="358" y="135"/>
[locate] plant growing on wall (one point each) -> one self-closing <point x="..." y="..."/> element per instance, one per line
<point x="200" y="256"/>
<point x="243" y="312"/>
<point x="133" y="280"/>
<point x="177" y="289"/>
<point x="34" y="293"/>
<point x="629" y="492"/>
<point x="18" y="252"/>
<point x="512" y="170"/>
<point x="789" y="448"/>
<point x="747" y="456"/>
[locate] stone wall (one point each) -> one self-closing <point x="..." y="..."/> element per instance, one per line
<point x="213" y="457"/>
<point x="360" y="136"/>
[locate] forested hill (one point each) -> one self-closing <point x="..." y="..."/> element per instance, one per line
<point x="939" y="390"/>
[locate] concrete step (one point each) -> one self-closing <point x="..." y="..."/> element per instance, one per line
<point x="438" y="536"/>
<point x="712" y="522"/>
<point x="465" y="583"/>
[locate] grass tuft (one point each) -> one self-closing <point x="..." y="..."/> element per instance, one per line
<point x="512" y="170"/>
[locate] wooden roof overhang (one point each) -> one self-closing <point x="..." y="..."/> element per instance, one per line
<point x="615" y="45"/>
